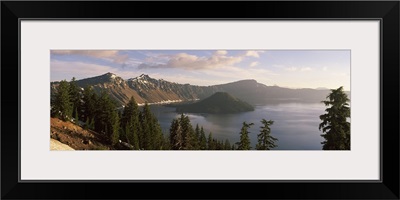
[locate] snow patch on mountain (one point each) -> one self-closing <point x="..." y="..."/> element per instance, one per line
<point x="162" y="102"/>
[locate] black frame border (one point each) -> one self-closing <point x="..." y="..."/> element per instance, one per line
<point x="386" y="11"/>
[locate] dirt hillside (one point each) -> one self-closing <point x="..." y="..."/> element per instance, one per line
<point x="76" y="137"/>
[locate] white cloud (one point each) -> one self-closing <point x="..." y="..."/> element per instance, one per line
<point x="253" y="53"/>
<point x="221" y="52"/>
<point x="111" y="55"/>
<point x="253" y="64"/>
<point x="325" y="68"/>
<point x="187" y="61"/>
<point x="192" y="62"/>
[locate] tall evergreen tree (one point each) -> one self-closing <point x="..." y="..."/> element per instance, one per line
<point x="265" y="140"/>
<point x="150" y="132"/>
<point x="63" y="106"/>
<point x="197" y="131"/>
<point x="132" y="135"/>
<point x="89" y="99"/>
<point x="175" y="133"/>
<point x="203" y="140"/>
<point x="196" y="138"/>
<point x="75" y="94"/>
<point x="187" y="132"/>
<point x="166" y="142"/>
<point x="334" y="121"/>
<point x="210" y="142"/>
<point x="114" y="135"/>
<point x="130" y="120"/>
<point x="244" y="143"/>
<point x="104" y="117"/>
<point x="158" y="136"/>
<point x="146" y="124"/>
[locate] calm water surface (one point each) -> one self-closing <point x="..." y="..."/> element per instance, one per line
<point x="295" y="124"/>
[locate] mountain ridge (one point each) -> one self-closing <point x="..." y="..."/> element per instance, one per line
<point x="146" y="89"/>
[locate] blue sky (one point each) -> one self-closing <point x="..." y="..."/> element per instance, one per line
<point x="285" y="68"/>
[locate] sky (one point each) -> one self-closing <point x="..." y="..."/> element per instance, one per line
<point x="285" y="68"/>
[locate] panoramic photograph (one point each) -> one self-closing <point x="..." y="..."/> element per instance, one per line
<point x="209" y="100"/>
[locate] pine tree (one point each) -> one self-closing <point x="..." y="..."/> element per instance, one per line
<point x="62" y="102"/>
<point x="147" y="126"/>
<point x="144" y="136"/>
<point x="104" y="117"/>
<point x="123" y="136"/>
<point x="197" y="131"/>
<point x="334" y="121"/>
<point x="157" y="134"/>
<point x="166" y="142"/>
<point x="210" y="143"/>
<point x="115" y="128"/>
<point x="244" y="143"/>
<point x="75" y="94"/>
<point x="89" y="99"/>
<point x="132" y="136"/>
<point x="175" y="133"/>
<point x="187" y="132"/>
<point x="203" y="140"/>
<point x="130" y="120"/>
<point x="150" y="132"/>
<point x="196" y="138"/>
<point x="265" y="140"/>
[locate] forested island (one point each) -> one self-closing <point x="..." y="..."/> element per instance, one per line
<point x="218" y="103"/>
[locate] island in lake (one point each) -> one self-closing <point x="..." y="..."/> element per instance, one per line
<point x="218" y="103"/>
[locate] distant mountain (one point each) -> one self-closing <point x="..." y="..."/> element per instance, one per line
<point x="144" y="88"/>
<point x="220" y="102"/>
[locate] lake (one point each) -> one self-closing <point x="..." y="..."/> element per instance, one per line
<point x="295" y="124"/>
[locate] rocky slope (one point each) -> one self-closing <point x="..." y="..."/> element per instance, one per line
<point x="56" y="145"/>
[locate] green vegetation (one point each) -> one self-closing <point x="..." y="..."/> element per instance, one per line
<point x="137" y="128"/>
<point x="265" y="140"/>
<point x="62" y="105"/>
<point x="220" y="102"/>
<point x="334" y="121"/>
<point x="244" y="143"/>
